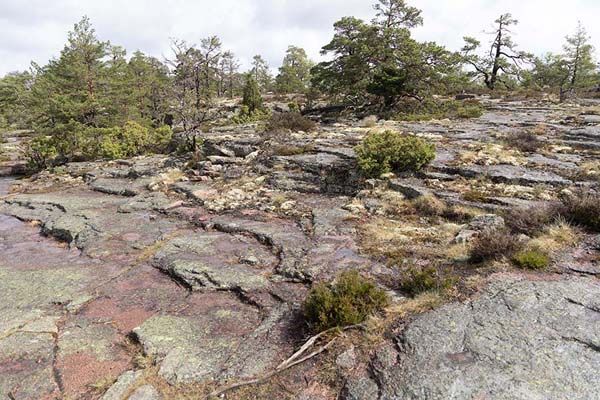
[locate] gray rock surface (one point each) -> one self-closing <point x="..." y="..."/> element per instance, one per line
<point x="519" y="339"/>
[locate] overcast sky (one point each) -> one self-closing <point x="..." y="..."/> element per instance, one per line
<point x="36" y="29"/>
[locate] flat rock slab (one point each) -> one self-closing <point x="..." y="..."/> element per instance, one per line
<point x="519" y="339"/>
<point x="217" y="260"/>
<point x="216" y="338"/>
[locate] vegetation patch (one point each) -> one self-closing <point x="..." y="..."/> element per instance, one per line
<point x="583" y="209"/>
<point x="531" y="259"/>
<point x="349" y="301"/>
<point x="431" y="109"/>
<point x="384" y="152"/>
<point x="526" y="141"/>
<point x="426" y="279"/>
<point x="494" y="244"/>
<point x="289" y="121"/>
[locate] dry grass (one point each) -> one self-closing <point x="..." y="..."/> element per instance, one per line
<point x="429" y="206"/>
<point x="555" y="237"/>
<point x="377" y="326"/>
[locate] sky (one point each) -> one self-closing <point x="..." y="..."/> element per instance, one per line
<point x="36" y="30"/>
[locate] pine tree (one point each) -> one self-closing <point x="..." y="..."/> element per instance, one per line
<point x="252" y="98"/>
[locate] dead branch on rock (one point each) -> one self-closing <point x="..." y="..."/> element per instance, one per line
<point x="294" y="360"/>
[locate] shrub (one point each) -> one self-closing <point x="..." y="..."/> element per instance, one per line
<point x="246" y="116"/>
<point x="527" y="142"/>
<point x="431" y="109"/>
<point x="531" y="259"/>
<point x="429" y="205"/>
<point x="425" y="280"/>
<point x="77" y="142"/>
<point x="475" y="196"/>
<point x="40" y="153"/>
<point x="347" y="302"/>
<point x="530" y="220"/>
<point x="384" y="152"/>
<point x="251" y="94"/>
<point x="583" y="209"/>
<point x="493" y="244"/>
<point x="469" y="112"/>
<point x="289" y="121"/>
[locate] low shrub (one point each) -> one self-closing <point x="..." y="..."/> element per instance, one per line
<point x="384" y="152"/>
<point x="531" y="259"/>
<point x="583" y="209"/>
<point x="291" y="150"/>
<point x="432" y="109"/>
<point x="468" y="112"/>
<point x="494" y="244"/>
<point x="429" y="206"/>
<point x="427" y="279"/>
<point x="289" y="121"/>
<point x="475" y="196"/>
<point x="245" y="116"/>
<point x="77" y="142"/>
<point x="530" y="220"/>
<point x="350" y="300"/>
<point x="527" y="142"/>
<point x="40" y="153"/>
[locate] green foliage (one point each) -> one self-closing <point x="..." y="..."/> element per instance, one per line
<point x="252" y="98"/>
<point x="247" y="117"/>
<point x="381" y="60"/>
<point x="350" y="300"/>
<point x="531" y="259"/>
<point x="426" y="279"/>
<point x="385" y="152"/>
<point x="40" y="153"/>
<point x="77" y="142"/>
<point x="289" y="121"/>
<point x="294" y="74"/>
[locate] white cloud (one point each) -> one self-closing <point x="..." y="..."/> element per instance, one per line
<point x="36" y="30"/>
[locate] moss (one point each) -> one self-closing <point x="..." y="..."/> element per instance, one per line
<point x="531" y="259"/>
<point x="350" y="300"/>
<point x="384" y="152"/>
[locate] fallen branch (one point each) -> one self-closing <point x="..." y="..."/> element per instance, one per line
<point x="294" y="360"/>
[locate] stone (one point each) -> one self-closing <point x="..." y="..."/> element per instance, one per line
<point x="517" y="339"/>
<point x="123" y="384"/>
<point x="360" y="389"/>
<point x="411" y="188"/>
<point x="347" y="359"/>
<point x="146" y="392"/>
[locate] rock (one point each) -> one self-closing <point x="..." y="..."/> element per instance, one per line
<point x="205" y="261"/>
<point x="120" y="388"/>
<point x="464" y="96"/>
<point x="347" y="359"/>
<point x="487" y="221"/>
<point x="115" y="186"/>
<point x="465" y="236"/>
<point x="507" y="174"/>
<point x="518" y="339"/>
<point x="360" y="389"/>
<point x="146" y="392"/>
<point x="411" y="188"/>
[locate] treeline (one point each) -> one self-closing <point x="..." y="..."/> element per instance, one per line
<point x="89" y="99"/>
